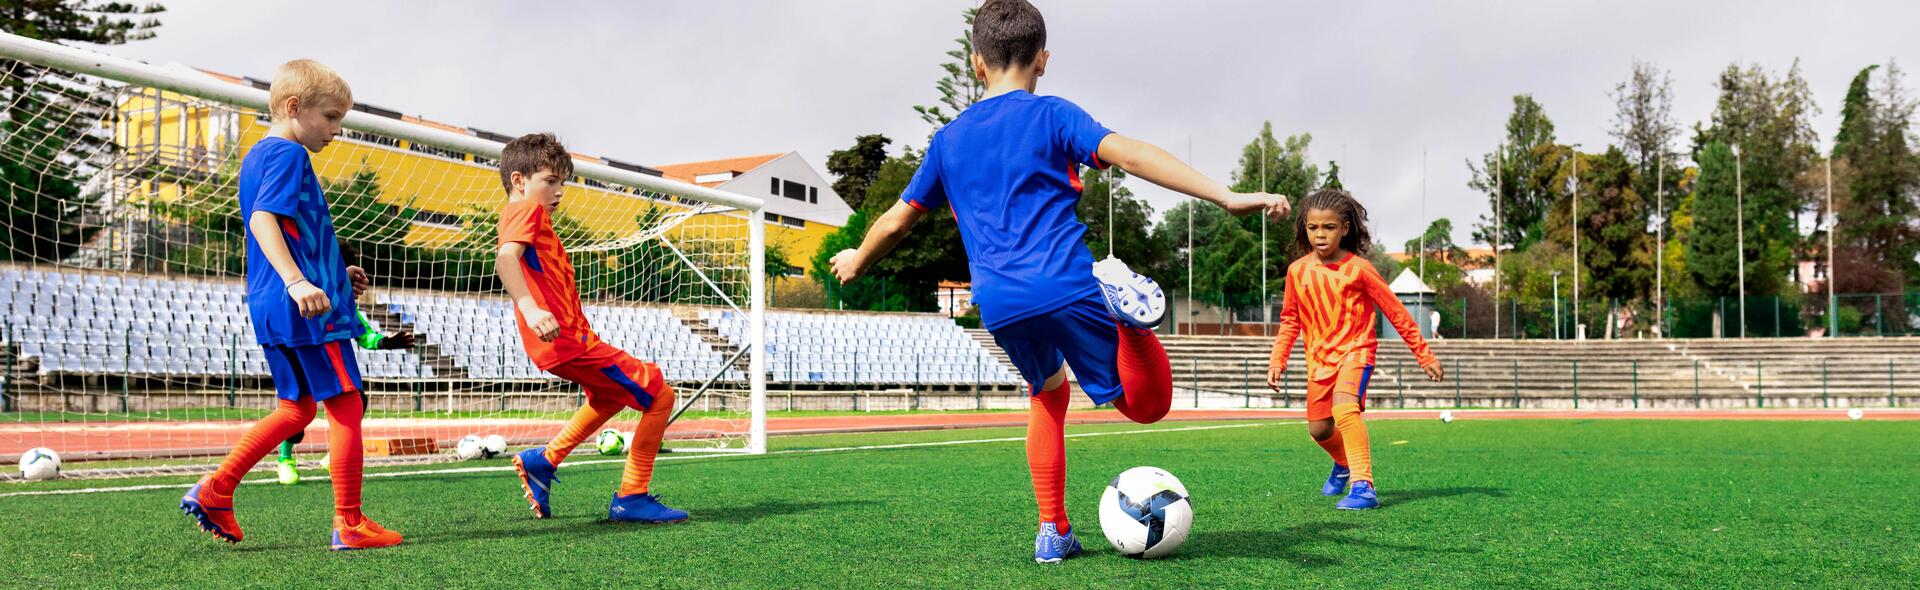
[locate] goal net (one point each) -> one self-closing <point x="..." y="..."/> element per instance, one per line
<point x="127" y="343"/>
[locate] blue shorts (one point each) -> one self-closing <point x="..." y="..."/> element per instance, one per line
<point x="1082" y="334"/>
<point x="319" y="372"/>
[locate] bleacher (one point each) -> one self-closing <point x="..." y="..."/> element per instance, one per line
<point x="88" y="323"/>
<point x="481" y="335"/>
<point x="867" y="349"/>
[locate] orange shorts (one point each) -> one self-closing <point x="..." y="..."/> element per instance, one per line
<point x="608" y="373"/>
<point x="1351" y="378"/>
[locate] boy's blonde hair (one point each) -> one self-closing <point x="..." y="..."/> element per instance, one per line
<point x="313" y="82"/>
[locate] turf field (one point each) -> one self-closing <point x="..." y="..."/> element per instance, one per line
<point x="1477" y="503"/>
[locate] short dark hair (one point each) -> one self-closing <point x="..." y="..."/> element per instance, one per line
<point x="530" y="153"/>
<point x="1009" y="33"/>
<point x="1342" y="203"/>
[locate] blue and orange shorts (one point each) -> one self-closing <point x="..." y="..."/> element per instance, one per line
<point x="1350" y="378"/>
<point x="318" y="372"/>
<point x="610" y="374"/>
<point x="1082" y="334"/>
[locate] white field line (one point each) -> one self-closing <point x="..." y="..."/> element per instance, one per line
<point x="668" y="457"/>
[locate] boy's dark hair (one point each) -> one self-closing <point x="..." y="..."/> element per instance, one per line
<point x="531" y="153"/>
<point x="1357" y="240"/>
<point x="1009" y="33"/>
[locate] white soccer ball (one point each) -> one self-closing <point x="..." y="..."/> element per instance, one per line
<point x="493" y="445"/>
<point x="40" y="464"/>
<point x="1145" y="513"/>
<point x="469" y="448"/>
<point x="610" y="442"/>
<point x="1855" y="414"/>
<point x="1446" y="416"/>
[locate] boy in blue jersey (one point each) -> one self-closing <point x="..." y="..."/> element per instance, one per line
<point x="1008" y="167"/>
<point x="300" y="295"/>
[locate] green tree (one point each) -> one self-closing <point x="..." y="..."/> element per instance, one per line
<point x="1876" y="203"/>
<point x="1436" y="244"/>
<point x="1506" y="176"/>
<point x="1644" y="126"/>
<point x="959" y="88"/>
<point x="1129" y="237"/>
<point x="1712" y="254"/>
<point x="1282" y="167"/>
<point x="1615" y="218"/>
<point x="855" y="167"/>
<point x="1333" y="176"/>
<point x="1768" y="118"/>
<point x="907" y="278"/>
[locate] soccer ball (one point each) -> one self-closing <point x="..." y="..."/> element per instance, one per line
<point x="40" y="464"/>
<point x="1145" y="513"/>
<point x="493" y="445"/>
<point x="610" y="442"/>
<point x="1446" y="416"/>
<point x="1855" y="414"/>
<point x="469" y="447"/>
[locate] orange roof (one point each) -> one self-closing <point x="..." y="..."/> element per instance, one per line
<point x="688" y="171"/>
<point x="434" y="124"/>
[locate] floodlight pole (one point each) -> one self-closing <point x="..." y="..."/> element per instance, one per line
<point x="1574" y="226"/>
<point x="1660" y="247"/>
<point x="1499" y="185"/>
<point x="1740" y="231"/>
<point x="1833" y="223"/>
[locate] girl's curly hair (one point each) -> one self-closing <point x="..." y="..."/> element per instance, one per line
<point x="1341" y="202"/>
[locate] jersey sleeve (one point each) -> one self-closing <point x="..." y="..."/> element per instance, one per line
<point x="282" y="175"/>
<point x="1078" y="133"/>
<point x="1389" y="304"/>
<point x="1289" y="324"/>
<point x="517" y="221"/>
<point x="926" y="192"/>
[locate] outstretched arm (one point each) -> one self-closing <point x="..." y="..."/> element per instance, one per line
<point x="885" y="233"/>
<point x="1148" y="161"/>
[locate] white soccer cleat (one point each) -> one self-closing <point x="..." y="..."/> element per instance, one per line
<point x="1131" y="297"/>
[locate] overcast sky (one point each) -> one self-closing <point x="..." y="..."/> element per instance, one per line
<point x="1374" y="82"/>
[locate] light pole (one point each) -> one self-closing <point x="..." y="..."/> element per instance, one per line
<point x="1740" y="233"/>
<point x="1574" y="226"/>
<point x="1660" y="247"/>
<point x="1833" y="222"/>
<point x="1266" y="307"/>
<point x="1556" y="305"/>
<point x="1423" y="216"/>
<point x="1193" y="316"/>
<point x="1499" y="185"/>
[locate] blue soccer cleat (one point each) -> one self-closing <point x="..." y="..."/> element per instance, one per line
<point x="1361" y="498"/>
<point x="644" y="508"/>
<point x="1050" y="546"/>
<point x="1133" y="299"/>
<point x="537" y="477"/>
<point x="1336" y="481"/>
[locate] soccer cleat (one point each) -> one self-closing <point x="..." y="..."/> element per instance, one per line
<point x="1361" y="498"/>
<point x="537" y="477"/>
<point x="1336" y="481"/>
<point x="1050" y="546"/>
<point x="644" y="508"/>
<point x="289" y="474"/>
<point x="1133" y="299"/>
<point x="212" y="513"/>
<point x="366" y="535"/>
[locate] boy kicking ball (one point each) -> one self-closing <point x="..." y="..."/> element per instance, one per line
<point x="1008" y="167"/>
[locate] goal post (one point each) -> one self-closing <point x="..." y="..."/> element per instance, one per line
<point x="127" y="340"/>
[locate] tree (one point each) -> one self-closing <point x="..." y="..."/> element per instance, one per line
<point x="1219" y="254"/>
<point x="907" y="278"/>
<point x="1877" y="207"/>
<point x="1130" y="235"/>
<point x="48" y="120"/>
<point x="1505" y="175"/>
<point x="959" y="88"/>
<point x="1768" y="119"/>
<point x="1286" y="169"/>
<point x="1436" y="243"/>
<point x="1643" y="124"/>
<point x="1712" y="253"/>
<point x="1333" y="176"/>
<point x="855" y="167"/>
<point x="1614" y="216"/>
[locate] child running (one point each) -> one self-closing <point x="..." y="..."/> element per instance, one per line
<point x="1009" y="168"/>
<point x="1332" y="295"/>
<point x="300" y="296"/>
<point x="538" y="275"/>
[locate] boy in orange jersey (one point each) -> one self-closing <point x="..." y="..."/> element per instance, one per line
<point x="1332" y="296"/>
<point x="534" y="267"/>
<point x="300" y="296"/>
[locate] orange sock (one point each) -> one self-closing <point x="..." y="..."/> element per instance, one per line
<point x="1336" y="447"/>
<point x="1047" y="452"/>
<point x="646" y="442"/>
<point x="1146" y="377"/>
<point x="1353" y="432"/>
<point x="344" y="449"/>
<point x="586" y="422"/>
<point x="264" y="436"/>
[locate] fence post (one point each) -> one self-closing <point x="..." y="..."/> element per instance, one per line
<point x="1463" y="320"/>
<point x="1286" y="387"/>
<point x="1890" y="401"/>
<point x="420" y="379"/>
<point x="1759" y="384"/>
<point x="1825" y="402"/>
<point x="1456" y="380"/>
<point x="1400" y="382"/>
<point x="1193" y="373"/>
<point x="1696" y="383"/>
<point x="978" y="403"/>
<point x="126" y="370"/>
<point x="1879" y="318"/>
<point x="1244" y="391"/>
<point x="856" y="381"/>
<point x="13" y="357"/>
<point x="1636" y="384"/>
<point x="1576" y="384"/>
<point x="1516" y="384"/>
<point x="232" y="344"/>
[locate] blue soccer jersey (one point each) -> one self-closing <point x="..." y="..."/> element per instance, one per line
<point x="1009" y="167"/>
<point x="277" y="177"/>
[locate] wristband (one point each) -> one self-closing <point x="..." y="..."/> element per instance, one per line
<point x="290" y="285"/>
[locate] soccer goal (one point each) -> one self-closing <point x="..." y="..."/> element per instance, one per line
<point x="127" y="343"/>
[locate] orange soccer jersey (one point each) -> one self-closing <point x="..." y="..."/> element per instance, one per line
<point x="550" y="279"/>
<point x="1335" y="305"/>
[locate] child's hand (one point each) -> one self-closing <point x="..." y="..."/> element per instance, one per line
<point x="541" y="322"/>
<point x="1274" y="375"/>
<point x="360" y="281"/>
<point x="843" y="267"/>
<point x="309" y="299"/>
<point x="1435" y="373"/>
<point x="398" y="341"/>
<point x="1275" y="207"/>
